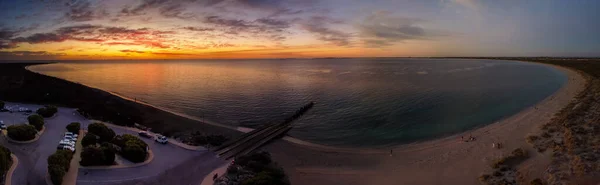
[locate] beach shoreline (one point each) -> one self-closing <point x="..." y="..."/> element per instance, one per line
<point x="445" y="160"/>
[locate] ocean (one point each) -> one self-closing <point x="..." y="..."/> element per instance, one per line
<point x="358" y="102"/>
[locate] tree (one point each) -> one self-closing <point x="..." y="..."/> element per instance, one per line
<point x="5" y="159"/>
<point x="47" y="111"/>
<point x="89" y="139"/>
<point x="56" y="173"/>
<point x="37" y="121"/>
<point x="104" y="133"/>
<point x="132" y="147"/>
<point x="74" y="127"/>
<point x="61" y="158"/>
<point x="21" y="132"/>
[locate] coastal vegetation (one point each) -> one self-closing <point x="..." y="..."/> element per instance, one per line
<point x="253" y="169"/>
<point x="201" y="139"/>
<point x="58" y="165"/>
<point x="20" y="85"/>
<point x="505" y="171"/>
<point x="2" y="104"/>
<point x="37" y="121"/>
<point x="5" y="161"/>
<point x="47" y="111"/>
<point x="22" y="132"/>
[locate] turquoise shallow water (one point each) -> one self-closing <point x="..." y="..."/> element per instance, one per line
<point x="359" y="102"/>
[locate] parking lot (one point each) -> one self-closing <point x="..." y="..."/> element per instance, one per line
<point x="171" y="163"/>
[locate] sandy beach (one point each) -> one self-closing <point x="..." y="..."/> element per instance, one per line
<point x="442" y="161"/>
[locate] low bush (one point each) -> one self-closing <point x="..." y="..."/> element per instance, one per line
<point x="537" y="181"/>
<point x="37" y="121"/>
<point x="74" y="127"/>
<point x="5" y="159"/>
<point x="56" y="174"/>
<point x="199" y="139"/>
<point x="516" y="156"/>
<point x="89" y="139"/>
<point x="47" y="111"/>
<point x="104" y="133"/>
<point x="22" y="132"/>
<point x="256" y="169"/>
<point x="132" y="147"/>
<point x="58" y="165"/>
<point x="97" y="156"/>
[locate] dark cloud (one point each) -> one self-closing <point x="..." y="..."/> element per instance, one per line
<point x="82" y="10"/>
<point x="98" y="34"/>
<point x="270" y="28"/>
<point x="381" y="29"/>
<point x="5" y="38"/>
<point x="318" y="27"/>
<point x="41" y="38"/>
<point x="274" y="22"/>
<point x="201" y="29"/>
<point x="166" y="8"/>
<point x="131" y="51"/>
<point x="28" y="55"/>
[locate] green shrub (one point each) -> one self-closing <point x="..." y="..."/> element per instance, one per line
<point x="132" y="147"/>
<point x="5" y="159"/>
<point x="212" y="140"/>
<point x="89" y="139"/>
<point x="74" y="127"/>
<point x="47" y="111"/>
<point x="58" y="165"/>
<point x="61" y="158"/>
<point x="22" y="132"/>
<point x="104" y="133"/>
<point x="518" y="153"/>
<point x="56" y="173"/>
<point x="94" y="156"/>
<point x="537" y="181"/>
<point x="37" y="121"/>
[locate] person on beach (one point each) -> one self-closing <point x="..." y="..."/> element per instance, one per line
<point x="391" y="152"/>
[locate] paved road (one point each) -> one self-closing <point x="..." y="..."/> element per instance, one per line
<point x="171" y="164"/>
<point x="33" y="156"/>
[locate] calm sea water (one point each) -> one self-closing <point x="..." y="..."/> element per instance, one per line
<point x="359" y="102"/>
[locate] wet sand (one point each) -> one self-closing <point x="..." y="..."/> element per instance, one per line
<point x="443" y="161"/>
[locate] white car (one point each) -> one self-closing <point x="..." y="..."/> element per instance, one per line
<point x="71" y="134"/>
<point x="67" y="142"/>
<point x="2" y="125"/>
<point x="74" y="139"/>
<point x="66" y="147"/>
<point x="161" y="139"/>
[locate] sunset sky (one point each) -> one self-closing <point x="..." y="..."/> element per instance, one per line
<point x="172" y="29"/>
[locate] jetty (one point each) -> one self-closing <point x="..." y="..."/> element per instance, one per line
<point x="258" y="137"/>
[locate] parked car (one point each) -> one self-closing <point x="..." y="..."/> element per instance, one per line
<point x="161" y="139"/>
<point x="145" y="134"/>
<point x="2" y="125"/>
<point x="70" y="138"/>
<point x="71" y="134"/>
<point x="66" y="147"/>
<point x="67" y="142"/>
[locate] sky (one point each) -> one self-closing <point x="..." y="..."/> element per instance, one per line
<point x="205" y="29"/>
